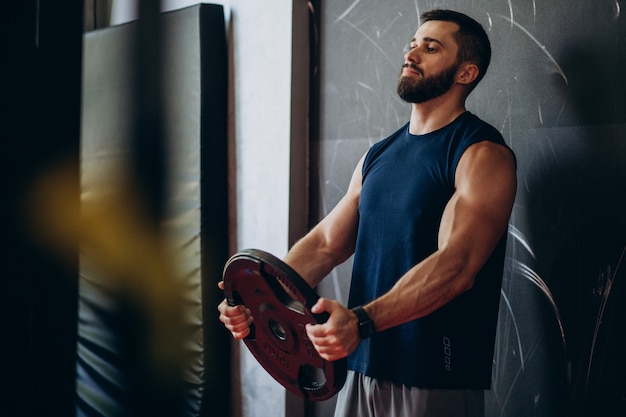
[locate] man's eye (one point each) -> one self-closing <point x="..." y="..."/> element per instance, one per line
<point x="408" y="47"/>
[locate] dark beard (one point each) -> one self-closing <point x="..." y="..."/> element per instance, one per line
<point x="422" y="90"/>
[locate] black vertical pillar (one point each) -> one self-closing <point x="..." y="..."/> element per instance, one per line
<point x="40" y="51"/>
<point x="151" y="393"/>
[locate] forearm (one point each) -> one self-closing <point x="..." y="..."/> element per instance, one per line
<point x="311" y="259"/>
<point x="423" y="289"/>
<point x="329" y="243"/>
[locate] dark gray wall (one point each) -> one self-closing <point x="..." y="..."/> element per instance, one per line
<point x="555" y="91"/>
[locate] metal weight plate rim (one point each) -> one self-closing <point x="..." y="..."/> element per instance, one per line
<point x="303" y="288"/>
<point x="335" y="372"/>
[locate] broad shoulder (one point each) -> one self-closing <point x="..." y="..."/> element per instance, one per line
<point x="485" y="161"/>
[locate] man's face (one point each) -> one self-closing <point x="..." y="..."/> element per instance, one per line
<point x="430" y="66"/>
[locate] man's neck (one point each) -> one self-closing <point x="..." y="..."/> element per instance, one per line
<point x="434" y="114"/>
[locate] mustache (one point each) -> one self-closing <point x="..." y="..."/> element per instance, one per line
<point x="414" y="67"/>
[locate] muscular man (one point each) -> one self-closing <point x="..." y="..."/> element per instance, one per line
<point x="425" y="216"/>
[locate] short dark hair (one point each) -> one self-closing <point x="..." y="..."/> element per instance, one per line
<point x="473" y="42"/>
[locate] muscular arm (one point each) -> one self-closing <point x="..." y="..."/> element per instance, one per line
<point x="471" y="226"/>
<point x="328" y="244"/>
<point x="332" y="241"/>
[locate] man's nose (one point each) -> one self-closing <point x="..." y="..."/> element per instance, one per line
<point x="412" y="55"/>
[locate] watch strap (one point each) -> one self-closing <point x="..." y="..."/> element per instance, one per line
<point x="366" y="325"/>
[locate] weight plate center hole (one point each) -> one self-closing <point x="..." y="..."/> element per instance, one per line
<point x="278" y="330"/>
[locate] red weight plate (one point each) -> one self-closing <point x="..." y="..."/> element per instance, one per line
<point x="278" y="338"/>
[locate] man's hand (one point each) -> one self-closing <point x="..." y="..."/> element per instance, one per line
<point x="237" y="319"/>
<point x="339" y="336"/>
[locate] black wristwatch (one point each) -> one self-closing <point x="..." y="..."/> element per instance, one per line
<point x="366" y="325"/>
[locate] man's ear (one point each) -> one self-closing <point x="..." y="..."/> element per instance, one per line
<point x="467" y="73"/>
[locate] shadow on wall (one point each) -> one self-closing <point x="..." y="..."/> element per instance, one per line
<point x="561" y="333"/>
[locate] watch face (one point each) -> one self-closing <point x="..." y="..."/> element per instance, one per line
<point x="366" y="329"/>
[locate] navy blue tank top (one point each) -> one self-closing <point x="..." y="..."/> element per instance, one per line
<point x="407" y="182"/>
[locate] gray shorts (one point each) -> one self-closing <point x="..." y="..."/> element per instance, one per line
<point x="367" y="397"/>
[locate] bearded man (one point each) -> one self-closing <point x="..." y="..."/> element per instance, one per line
<point x="425" y="216"/>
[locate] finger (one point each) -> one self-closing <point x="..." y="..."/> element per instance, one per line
<point x="322" y="304"/>
<point x="242" y="334"/>
<point x="330" y="357"/>
<point x="239" y="330"/>
<point x="232" y="316"/>
<point x="239" y="326"/>
<point x="331" y="353"/>
<point x="226" y="309"/>
<point x="235" y="315"/>
<point x="238" y="320"/>
<point x="316" y="332"/>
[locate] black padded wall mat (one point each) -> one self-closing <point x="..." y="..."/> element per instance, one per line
<point x="111" y="334"/>
<point x="555" y="92"/>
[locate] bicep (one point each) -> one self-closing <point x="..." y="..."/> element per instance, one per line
<point x="332" y="240"/>
<point x="339" y="227"/>
<point x="477" y="215"/>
